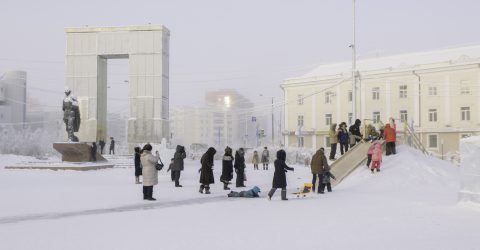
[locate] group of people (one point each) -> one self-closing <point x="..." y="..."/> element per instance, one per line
<point x="265" y="159"/>
<point x="374" y="154"/>
<point x="346" y="138"/>
<point x="101" y="143"/>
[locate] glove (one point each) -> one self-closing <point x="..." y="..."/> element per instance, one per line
<point x="293" y="169"/>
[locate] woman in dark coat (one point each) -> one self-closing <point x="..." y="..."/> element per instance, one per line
<point x="227" y="168"/>
<point x="279" y="177"/>
<point x="206" y="172"/>
<point x="240" y="167"/>
<point x="138" y="165"/>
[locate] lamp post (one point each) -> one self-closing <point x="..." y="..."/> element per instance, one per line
<point x="273" y="124"/>
<point x="354" y="66"/>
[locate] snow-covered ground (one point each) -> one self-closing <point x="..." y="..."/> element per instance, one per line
<point x="410" y="204"/>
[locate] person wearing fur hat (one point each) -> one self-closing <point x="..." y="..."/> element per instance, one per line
<point x="138" y="165"/>
<point x="150" y="173"/>
<point x="178" y="164"/>
<point x="227" y="168"/>
<point x="206" y="172"/>
<point x="240" y="167"/>
<point x="279" y="177"/>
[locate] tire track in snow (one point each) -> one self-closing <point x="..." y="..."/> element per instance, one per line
<point x="120" y="209"/>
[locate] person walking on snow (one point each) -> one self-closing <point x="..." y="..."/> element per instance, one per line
<point x="178" y="164"/>
<point x="326" y="180"/>
<point x="370" y="153"/>
<point x="390" y="137"/>
<point x="376" y="157"/>
<point x="319" y="161"/>
<point x="112" y="146"/>
<point x="333" y="133"/>
<point x="138" y="165"/>
<point x="227" y="168"/>
<point x="255" y="160"/>
<point x="150" y="173"/>
<point x="206" y="171"/>
<point x="265" y="158"/>
<point x="279" y="176"/>
<point x="240" y="167"/>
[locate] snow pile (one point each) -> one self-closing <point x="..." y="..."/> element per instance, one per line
<point x="470" y="170"/>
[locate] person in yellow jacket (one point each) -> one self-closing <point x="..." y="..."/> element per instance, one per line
<point x="333" y="140"/>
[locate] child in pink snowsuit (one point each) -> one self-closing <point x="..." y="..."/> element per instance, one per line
<point x="376" y="157"/>
<point x="369" y="154"/>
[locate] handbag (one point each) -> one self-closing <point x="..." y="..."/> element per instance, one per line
<point x="159" y="165"/>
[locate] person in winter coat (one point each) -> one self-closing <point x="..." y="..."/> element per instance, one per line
<point x="333" y="133"/>
<point x="376" y="157"/>
<point x="102" y="145"/>
<point x="112" y="146"/>
<point x="255" y="160"/>
<point x="178" y="167"/>
<point x="206" y="172"/>
<point x="93" y="151"/>
<point x="390" y="138"/>
<point x="279" y="177"/>
<point x="252" y="193"/>
<point x="326" y="180"/>
<point x="170" y="166"/>
<point x="355" y="130"/>
<point x="227" y="168"/>
<point x="343" y="138"/>
<point x="265" y="158"/>
<point x="240" y="167"/>
<point x="370" y="153"/>
<point x="138" y="165"/>
<point x="319" y="162"/>
<point x="150" y="174"/>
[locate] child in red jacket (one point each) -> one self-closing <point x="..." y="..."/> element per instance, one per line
<point x="376" y="157"/>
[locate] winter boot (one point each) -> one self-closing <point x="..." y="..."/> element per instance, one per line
<point x="201" y="189"/>
<point x="321" y="188"/>
<point x="372" y="170"/>
<point x="284" y="195"/>
<point x="145" y="193"/>
<point x="207" y="190"/>
<point x="267" y="167"/>
<point x="150" y="194"/>
<point x="225" y="186"/>
<point x="270" y="194"/>
<point x="137" y="180"/>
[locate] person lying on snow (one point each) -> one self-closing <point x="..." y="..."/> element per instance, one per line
<point x="252" y="193"/>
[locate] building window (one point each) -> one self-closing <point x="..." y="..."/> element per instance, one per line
<point x="328" y="96"/>
<point x="465" y="88"/>
<point x="328" y="119"/>
<point x="300" y="120"/>
<point x="433" y="141"/>
<point x="376" y="116"/>
<point x="403" y="116"/>
<point x="432" y="91"/>
<point x="350" y="95"/>
<point x="300" y="141"/>
<point x="376" y="93"/>
<point x="300" y="99"/>
<point x="350" y="118"/>
<point x="432" y="115"/>
<point x="465" y="113"/>
<point x="403" y="91"/>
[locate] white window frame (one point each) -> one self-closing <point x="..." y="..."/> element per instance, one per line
<point x="328" y="119"/>
<point x="302" y="119"/>
<point x="465" y="88"/>
<point x="428" y="140"/>
<point x="403" y="113"/>
<point x="350" y="118"/>
<point x="374" y="118"/>
<point x="433" y="113"/>
<point x="403" y="91"/>
<point x="432" y="91"/>
<point x="465" y="113"/>
<point x="300" y="99"/>
<point x="300" y="141"/>
<point x="329" y="97"/>
<point x="376" y="93"/>
<point x="350" y="96"/>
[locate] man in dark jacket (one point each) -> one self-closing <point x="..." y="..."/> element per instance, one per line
<point x="279" y="177"/>
<point x="355" y="130"/>
<point x="102" y="145"/>
<point x="240" y="167"/>
<point x="206" y="172"/>
<point x="178" y="164"/>
<point x="93" y="151"/>
<point x="227" y="168"/>
<point x="112" y="146"/>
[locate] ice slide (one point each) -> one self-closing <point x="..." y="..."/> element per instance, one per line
<point x="349" y="161"/>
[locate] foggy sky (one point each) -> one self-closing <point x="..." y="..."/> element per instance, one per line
<point x="246" y="45"/>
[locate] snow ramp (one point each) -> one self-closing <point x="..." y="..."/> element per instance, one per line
<point x="349" y="161"/>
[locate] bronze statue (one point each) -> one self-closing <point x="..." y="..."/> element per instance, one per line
<point x="71" y="115"/>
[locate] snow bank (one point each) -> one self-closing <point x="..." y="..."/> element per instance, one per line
<point x="470" y="170"/>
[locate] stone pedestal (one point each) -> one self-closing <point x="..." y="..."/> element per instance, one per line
<point x="76" y="152"/>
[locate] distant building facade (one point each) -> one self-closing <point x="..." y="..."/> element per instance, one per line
<point x="13" y="97"/>
<point x="438" y="92"/>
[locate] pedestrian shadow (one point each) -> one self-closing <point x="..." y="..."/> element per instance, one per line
<point x="120" y="209"/>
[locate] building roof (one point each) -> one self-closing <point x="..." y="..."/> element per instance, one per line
<point x="147" y="27"/>
<point x="401" y="61"/>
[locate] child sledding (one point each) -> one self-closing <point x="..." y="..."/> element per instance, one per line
<point x="252" y="193"/>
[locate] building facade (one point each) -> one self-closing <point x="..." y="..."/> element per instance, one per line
<point x="437" y="93"/>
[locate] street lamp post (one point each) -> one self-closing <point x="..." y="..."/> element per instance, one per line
<point x="354" y="66"/>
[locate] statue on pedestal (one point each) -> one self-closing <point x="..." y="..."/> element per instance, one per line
<point x="71" y="115"/>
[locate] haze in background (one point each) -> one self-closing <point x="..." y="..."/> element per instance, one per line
<point x="250" y="46"/>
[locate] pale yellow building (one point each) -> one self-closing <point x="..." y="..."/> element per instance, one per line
<point x="438" y="92"/>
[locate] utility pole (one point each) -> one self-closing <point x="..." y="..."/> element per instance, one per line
<point x="273" y="130"/>
<point x="354" y="66"/>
